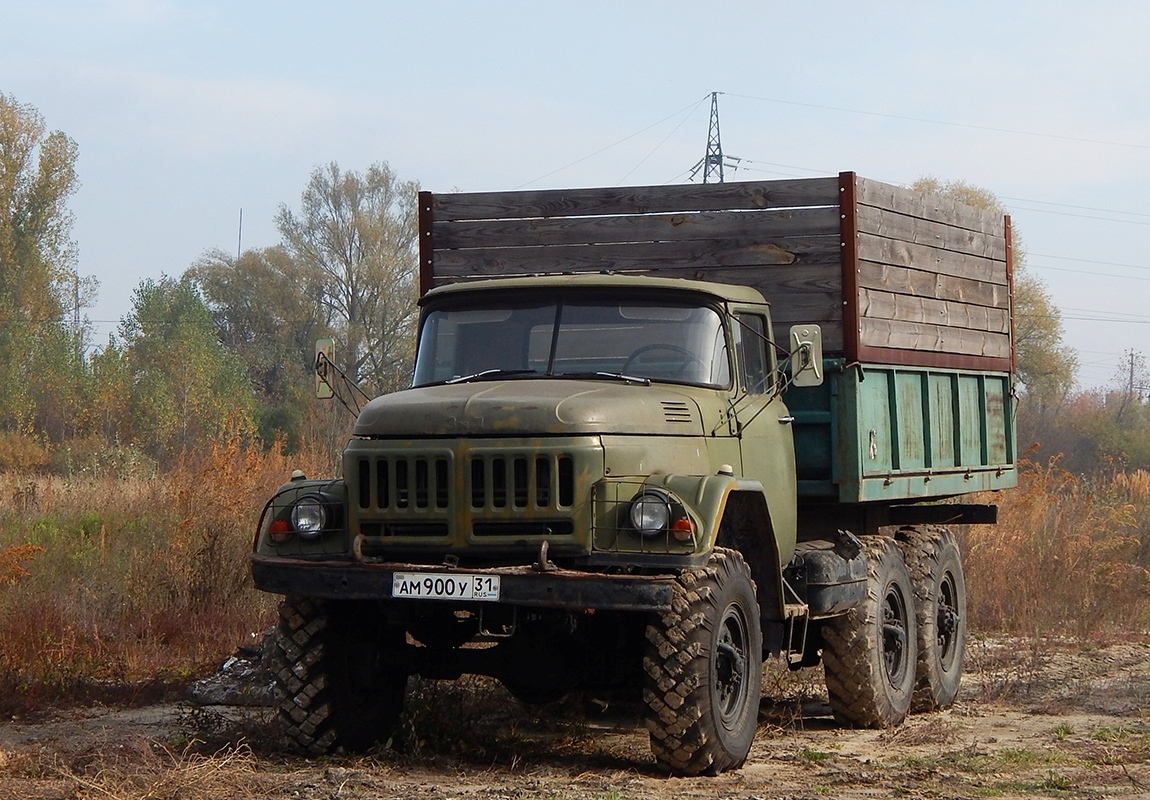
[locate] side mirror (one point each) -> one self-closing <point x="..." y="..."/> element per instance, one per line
<point x="806" y="355"/>
<point x="324" y="359"/>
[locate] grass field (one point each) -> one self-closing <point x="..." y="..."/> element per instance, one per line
<point x="142" y="581"/>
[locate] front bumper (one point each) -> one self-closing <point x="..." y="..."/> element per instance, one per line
<point x="520" y="585"/>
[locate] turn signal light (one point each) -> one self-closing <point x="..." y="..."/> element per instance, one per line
<point x="683" y="529"/>
<point x="279" y="531"/>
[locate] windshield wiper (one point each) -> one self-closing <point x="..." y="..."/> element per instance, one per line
<point x="616" y="376"/>
<point x="488" y="374"/>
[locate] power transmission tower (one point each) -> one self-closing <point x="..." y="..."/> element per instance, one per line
<point x="713" y="162"/>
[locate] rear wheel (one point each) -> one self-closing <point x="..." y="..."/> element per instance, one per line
<point x="869" y="654"/>
<point x="703" y="670"/>
<point x="334" y="681"/>
<point x="935" y="568"/>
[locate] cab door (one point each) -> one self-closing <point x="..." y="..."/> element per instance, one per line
<point x="766" y="442"/>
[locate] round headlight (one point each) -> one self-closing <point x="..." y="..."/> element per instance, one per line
<point x="650" y="513"/>
<point x="308" y="516"/>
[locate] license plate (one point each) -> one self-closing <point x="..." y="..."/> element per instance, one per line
<point x="441" y="586"/>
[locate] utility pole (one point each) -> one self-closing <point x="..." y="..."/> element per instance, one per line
<point x="1137" y="366"/>
<point x="713" y="162"/>
<point x="1133" y="387"/>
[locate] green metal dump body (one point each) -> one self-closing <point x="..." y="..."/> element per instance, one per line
<point x="879" y="433"/>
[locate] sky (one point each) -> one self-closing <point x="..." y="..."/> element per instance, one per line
<point x="188" y="113"/>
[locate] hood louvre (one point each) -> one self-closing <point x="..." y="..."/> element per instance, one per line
<point x="676" y="411"/>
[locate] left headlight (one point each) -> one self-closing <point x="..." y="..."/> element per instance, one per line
<point x="650" y="512"/>
<point x="309" y="516"/>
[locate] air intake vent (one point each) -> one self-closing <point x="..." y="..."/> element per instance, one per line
<point x="399" y="483"/>
<point x="676" y="411"/>
<point x="522" y="481"/>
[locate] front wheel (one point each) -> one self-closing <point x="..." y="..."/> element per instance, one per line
<point x="703" y="670"/>
<point x="335" y="683"/>
<point x="869" y="653"/>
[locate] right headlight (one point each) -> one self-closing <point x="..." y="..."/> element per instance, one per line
<point x="650" y="512"/>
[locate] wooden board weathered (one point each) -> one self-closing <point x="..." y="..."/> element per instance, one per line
<point x="893" y="276"/>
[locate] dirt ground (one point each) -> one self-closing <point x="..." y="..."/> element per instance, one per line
<point x="1035" y="719"/>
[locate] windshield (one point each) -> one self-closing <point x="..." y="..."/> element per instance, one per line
<point x="679" y="343"/>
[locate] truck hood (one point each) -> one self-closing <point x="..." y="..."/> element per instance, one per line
<point x="531" y="408"/>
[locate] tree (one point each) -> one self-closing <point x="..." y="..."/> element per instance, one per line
<point x="1045" y="366"/>
<point x="41" y="356"/>
<point x="357" y="234"/>
<point x="185" y="389"/>
<point x="266" y="310"/>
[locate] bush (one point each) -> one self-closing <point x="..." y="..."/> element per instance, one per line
<point x="1064" y="557"/>
<point x="143" y="578"/>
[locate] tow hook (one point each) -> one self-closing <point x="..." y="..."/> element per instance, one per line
<point x="542" y="564"/>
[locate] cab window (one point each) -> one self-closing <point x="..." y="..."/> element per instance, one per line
<point x="751" y="350"/>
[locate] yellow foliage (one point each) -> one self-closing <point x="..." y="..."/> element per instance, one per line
<point x="20" y="452"/>
<point x="12" y="560"/>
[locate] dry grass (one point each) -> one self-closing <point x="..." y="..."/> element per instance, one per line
<point x="130" y="770"/>
<point x="109" y="580"/>
<point x="1064" y="558"/>
<point x="106" y="580"/>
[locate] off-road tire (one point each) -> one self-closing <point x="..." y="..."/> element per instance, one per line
<point x="935" y="568"/>
<point x="869" y="653"/>
<point x="333" y="685"/>
<point x="703" y="669"/>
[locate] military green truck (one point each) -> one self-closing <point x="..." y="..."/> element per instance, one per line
<point x="620" y="471"/>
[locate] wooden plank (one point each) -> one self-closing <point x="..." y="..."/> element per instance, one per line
<point x="934" y="234"/>
<point x="899" y="335"/>
<point x="929" y="284"/>
<point x="676" y="257"/>
<point x="909" y="308"/>
<point x="743" y="195"/>
<point x="645" y="228"/>
<point x="931" y="259"/>
<point x="929" y="206"/>
<point x="920" y="358"/>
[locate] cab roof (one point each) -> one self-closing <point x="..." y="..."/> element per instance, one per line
<point x="600" y="280"/>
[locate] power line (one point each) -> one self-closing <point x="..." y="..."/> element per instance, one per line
<point x="690" y="108"/>
<point x="1140" y="317"/>
<point x="1091" y="261"/>
<point x="947" y="123"/>
<point x="1081" y="216"/>
<point x="1088" y="272"/>
<point x="660" y="144"/>
<point x="1081" y="208"/>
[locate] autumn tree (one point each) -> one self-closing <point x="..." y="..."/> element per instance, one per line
<point x="267" y="311"/>
<point x="41" y="355"/>
<point x="1045" y="366"/>
<point x="185" y="389"/>
<point x="356" y="236"/>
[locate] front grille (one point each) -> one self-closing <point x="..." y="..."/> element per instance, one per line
<point x="522" y="481"/>
<point x="464" y="493"/>
<point x="400" y="482"/>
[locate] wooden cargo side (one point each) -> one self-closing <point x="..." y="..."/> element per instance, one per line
<point x="892" y="276"/>
<point x="782" y="237"/>
<point x="931" y="280"/>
